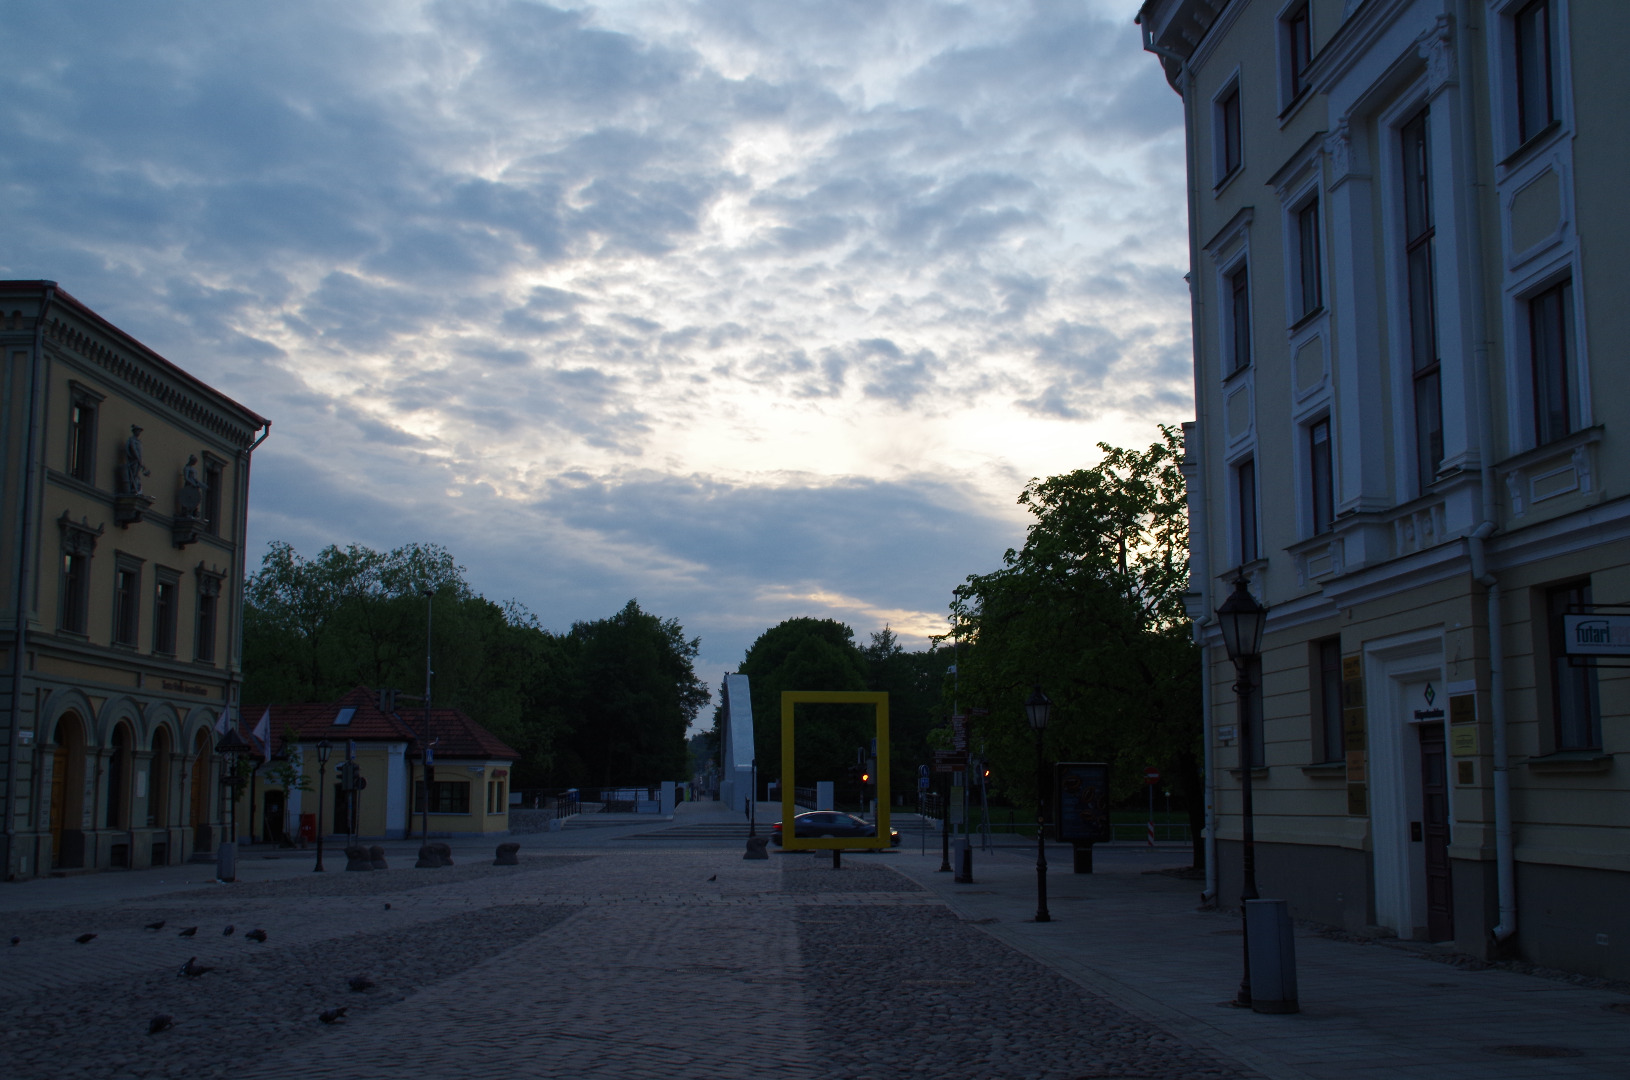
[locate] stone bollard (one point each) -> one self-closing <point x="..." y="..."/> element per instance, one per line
<point x="507" y="855"/>
<point x="757" y="847"/>
<point x="356" y="858"/>
<point x="376" y="856"/>
<point x="443" y="852"/>
<point x="427" y="857"/>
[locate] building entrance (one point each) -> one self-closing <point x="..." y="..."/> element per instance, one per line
<point x="1440" y="915"/>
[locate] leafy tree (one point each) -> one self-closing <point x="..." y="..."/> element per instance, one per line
<point x="287" y="771"/>
<point x="808" y="654"/>
<point x="1091" y="609"/>
<point x="913" y="681"/>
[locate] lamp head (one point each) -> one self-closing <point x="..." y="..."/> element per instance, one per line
<point x="1242" y="620"/>
<point x="1037" y="707"/>
<point x="323" y="750"/>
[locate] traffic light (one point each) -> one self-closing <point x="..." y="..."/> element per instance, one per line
<point x="865" y="777"/>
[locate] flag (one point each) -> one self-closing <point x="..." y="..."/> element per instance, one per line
<point x="263" y="733"/>
<point x="224" y="723"/>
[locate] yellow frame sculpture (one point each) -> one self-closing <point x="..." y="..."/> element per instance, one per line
<point x="880" y="702"/>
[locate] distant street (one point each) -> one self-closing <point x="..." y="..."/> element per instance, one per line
<point x="609" y="952"/>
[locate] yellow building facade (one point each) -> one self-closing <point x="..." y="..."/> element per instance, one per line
<point x="125" y="484"/>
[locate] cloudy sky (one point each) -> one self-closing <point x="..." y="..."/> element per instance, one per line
<point x="746" y="309"/>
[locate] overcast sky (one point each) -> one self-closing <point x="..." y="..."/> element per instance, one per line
<point x="749" y="310"/>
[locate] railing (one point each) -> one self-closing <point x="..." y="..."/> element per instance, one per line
<point x="804" y="796"/>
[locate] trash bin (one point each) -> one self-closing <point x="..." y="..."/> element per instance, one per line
<point x="1273" y="956"/>
<point x="308" y="828"/>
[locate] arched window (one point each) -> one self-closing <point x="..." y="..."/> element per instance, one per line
<point x="158" y="780"/>
<point x="118" y="814"/>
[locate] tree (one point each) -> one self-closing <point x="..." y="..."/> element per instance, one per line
<point x="808" y="654"/>
<point x="1091" y="609"/>
<point x="287" y="771"/>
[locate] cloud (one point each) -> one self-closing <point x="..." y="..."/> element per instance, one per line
<point x="721" y="303"/>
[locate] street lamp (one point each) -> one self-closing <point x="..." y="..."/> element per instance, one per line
<point x="428" y="755"/>
<point x="1036" y="708"/>
<point x="230" y="745"/>
<point x="1242" y="620"/>
<point x="322" y="786"/>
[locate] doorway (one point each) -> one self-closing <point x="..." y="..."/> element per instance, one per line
<point x="68" y="794"/>
<point x="1405" y="689"/>
<point x="273" y="810"/>
<point x="201" y="749"/>
<point x="1440" y="915"/>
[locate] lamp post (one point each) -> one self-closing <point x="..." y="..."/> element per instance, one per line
<point x="1036" y="708"/>
<point x="230" y="745"/>
<point x="1242" y="620"/>
<point x="428" y="755"/>
<point x="322" y="787"/>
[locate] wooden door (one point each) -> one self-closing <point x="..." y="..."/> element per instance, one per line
<point x="1440" y="916"/>
<point x="59" y="802"/>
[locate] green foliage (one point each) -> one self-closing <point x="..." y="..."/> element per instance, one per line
<point x="1091" y="609"/>
<point x="607" y="702"/>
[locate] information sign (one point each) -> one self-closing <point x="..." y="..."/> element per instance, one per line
<point x="1082" y="797"/>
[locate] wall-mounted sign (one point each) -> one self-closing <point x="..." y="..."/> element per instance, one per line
<point x="1463" y="740"/>
<point x="1596" y="635"/>
<point x="176" y="686"/>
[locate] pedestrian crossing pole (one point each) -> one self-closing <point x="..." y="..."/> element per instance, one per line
<point x="1151" y="777"/>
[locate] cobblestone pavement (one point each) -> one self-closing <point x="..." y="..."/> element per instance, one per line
<point x="607" y="963"/>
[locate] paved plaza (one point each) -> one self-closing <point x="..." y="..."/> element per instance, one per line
<point x="652" y="949"/>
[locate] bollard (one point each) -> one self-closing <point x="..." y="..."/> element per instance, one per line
<point x="226" y="862"/>
<point x="427" y="857"/>
<point x="1083" y="858"/>
<point x="964" y="863"/>
<point x="1273" y="956"/>
<point x="356" y="858"/>
<point x="508" y="854"/>
<point x="757" y="847"/>
<point x="376" y="856"/>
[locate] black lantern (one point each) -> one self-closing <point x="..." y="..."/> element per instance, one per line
<point x="1037" y="707"/>
<point x="1242" y="620"/>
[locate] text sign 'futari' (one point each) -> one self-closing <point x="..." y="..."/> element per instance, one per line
<point x="1596" y="635"/>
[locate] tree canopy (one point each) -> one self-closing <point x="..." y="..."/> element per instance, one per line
<point x="1091" y="610"/>
<point x="607" y="702"/>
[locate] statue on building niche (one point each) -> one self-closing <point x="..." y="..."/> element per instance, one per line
<point x="192" y="488"/>
<point x="134" y="469"/>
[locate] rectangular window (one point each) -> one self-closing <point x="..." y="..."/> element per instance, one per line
<point x="165" y="599"/>
<point x="206" y="627"/>
<point x="1551" y="351"/>
<point x="1422" y="292"/>
<point x="1328" y="744"/>
<point x="212" y="498"/>
<point x="1296" y="33"/>
<point x="1309" y="288"/>
<point x="126" y="603"/>
<point x="1245" y="509"/>
<point x="1322" y="496"/>
<point x="82" y="438"/>
<point x="76" y="572"/>
<point x="1534" y="39"/>
<point x="1239" y="290"/>
<point x="1576" y="707"/>
<point x="446" y="796"/>
<point x="1228" y="134"/>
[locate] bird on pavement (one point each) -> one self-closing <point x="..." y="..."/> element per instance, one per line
<point x="387" y="905"/>
<point x="84" y="939"/>
<point x="15" y="940"/>
<point x="188" y="932"/>
<point x="359" y="983"/>
<point x="161" y="1022"/>
<point x="156" y="925"/>
<point x="715" y="877"/>
<point x="333" y="1016"/>
<point x="256" y="934"/>
<point x="192" y="969"/>
<point x="228" y="931"/>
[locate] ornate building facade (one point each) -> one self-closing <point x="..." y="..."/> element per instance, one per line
<point x="1409" y="441"/>
<point x="125" y="486"/>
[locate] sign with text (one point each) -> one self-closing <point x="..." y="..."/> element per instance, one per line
<point x="1082" y="795"/>
<point x="1596" y="635"/>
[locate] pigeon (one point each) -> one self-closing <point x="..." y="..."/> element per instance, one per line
<point x="256" y="935"/>
<point x="85" y="939"/>
<point x="156" y="925"/>
<point x="192" y="969"/>
<point x="15" y="940"/>
<point x="161" y="1022"/>
<point x="228" y="931"/>
<point x="359" y="983"/>
<point x="332" y="1016"/>
<point x="387" y="905"/>
<point x="715" y="877"/>
<point x="188" y="932"/>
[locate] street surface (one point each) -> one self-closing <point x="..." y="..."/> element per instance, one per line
<point x="609" y="953"/>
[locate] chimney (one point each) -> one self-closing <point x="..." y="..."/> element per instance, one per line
<point x="387" y="701"/>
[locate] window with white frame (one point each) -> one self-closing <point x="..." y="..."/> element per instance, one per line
<point x="1551" y="353"/>
<point x="1245" y="512"/>
<point x="1421" y="296"/>
<point x="1226" y="132"/>
<point x="1534" y="66"/>
<point x="1321" y="477"/>
<point x="1307" y="283"/>
<point x="1237" y="317"/>
<point x="1295" y="50"/>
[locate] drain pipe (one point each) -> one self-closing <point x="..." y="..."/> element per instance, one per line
<point x="1199" y="551"/>
<point x="1504" y="857"/>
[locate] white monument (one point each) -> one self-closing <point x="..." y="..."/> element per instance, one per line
<point x="736" y="744"/>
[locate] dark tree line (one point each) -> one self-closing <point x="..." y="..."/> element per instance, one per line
<point x="606" y="703"/>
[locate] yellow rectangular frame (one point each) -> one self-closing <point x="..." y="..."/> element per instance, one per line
<point x="880" y="702"/>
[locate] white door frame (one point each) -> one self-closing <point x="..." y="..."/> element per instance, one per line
<point x="1394" y="767"/>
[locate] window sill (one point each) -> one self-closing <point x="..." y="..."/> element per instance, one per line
<point x="1307" y="320"/>
<point x="1295" y="104"/>
<point x="1258" y="773"/>
<point x="1533" y="144"/>
<point x="1565" y="762"/>
<point x="1555" y="448"/>
<point x="1226" y="181"/>
<point x="1327" y="770"/>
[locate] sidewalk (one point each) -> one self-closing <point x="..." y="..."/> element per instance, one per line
<point x="1368" y="1010"/>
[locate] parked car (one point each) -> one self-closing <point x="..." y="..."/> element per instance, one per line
<point x="818" y="824"/>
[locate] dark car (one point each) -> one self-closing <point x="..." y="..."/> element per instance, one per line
<point x="818" y="824"/>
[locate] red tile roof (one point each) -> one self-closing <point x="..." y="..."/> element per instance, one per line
<point x="456" y="735"/>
